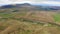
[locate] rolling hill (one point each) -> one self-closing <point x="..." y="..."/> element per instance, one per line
<point x="29" y="19"/>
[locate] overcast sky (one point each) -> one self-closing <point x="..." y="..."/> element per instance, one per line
<point x="56" y="2"/>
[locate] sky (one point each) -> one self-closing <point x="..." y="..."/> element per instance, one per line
<point x="53" y="2"/>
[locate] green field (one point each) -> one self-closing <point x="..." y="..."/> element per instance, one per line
<point x="57" y="17"/>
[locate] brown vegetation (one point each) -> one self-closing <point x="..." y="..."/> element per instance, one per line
<point x="28" y="22"/>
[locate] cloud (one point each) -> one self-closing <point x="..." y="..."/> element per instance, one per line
<point x="53" y="2"/>
<point x="18" y="1"/>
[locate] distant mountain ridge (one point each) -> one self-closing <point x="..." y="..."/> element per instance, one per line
<point x="30" y="6"/>
<point x="14" y="5"/>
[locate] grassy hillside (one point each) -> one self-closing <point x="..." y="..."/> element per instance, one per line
<point x="14" y="26"/>
<point x="18" y="21"/>
<point x="57" y="17"/>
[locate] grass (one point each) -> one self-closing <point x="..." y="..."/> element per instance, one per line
<point x="57" y="17"/>
<point x="10" y="24"/>
<point x="5" y="15"/>
<point x="18" y="27"/>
